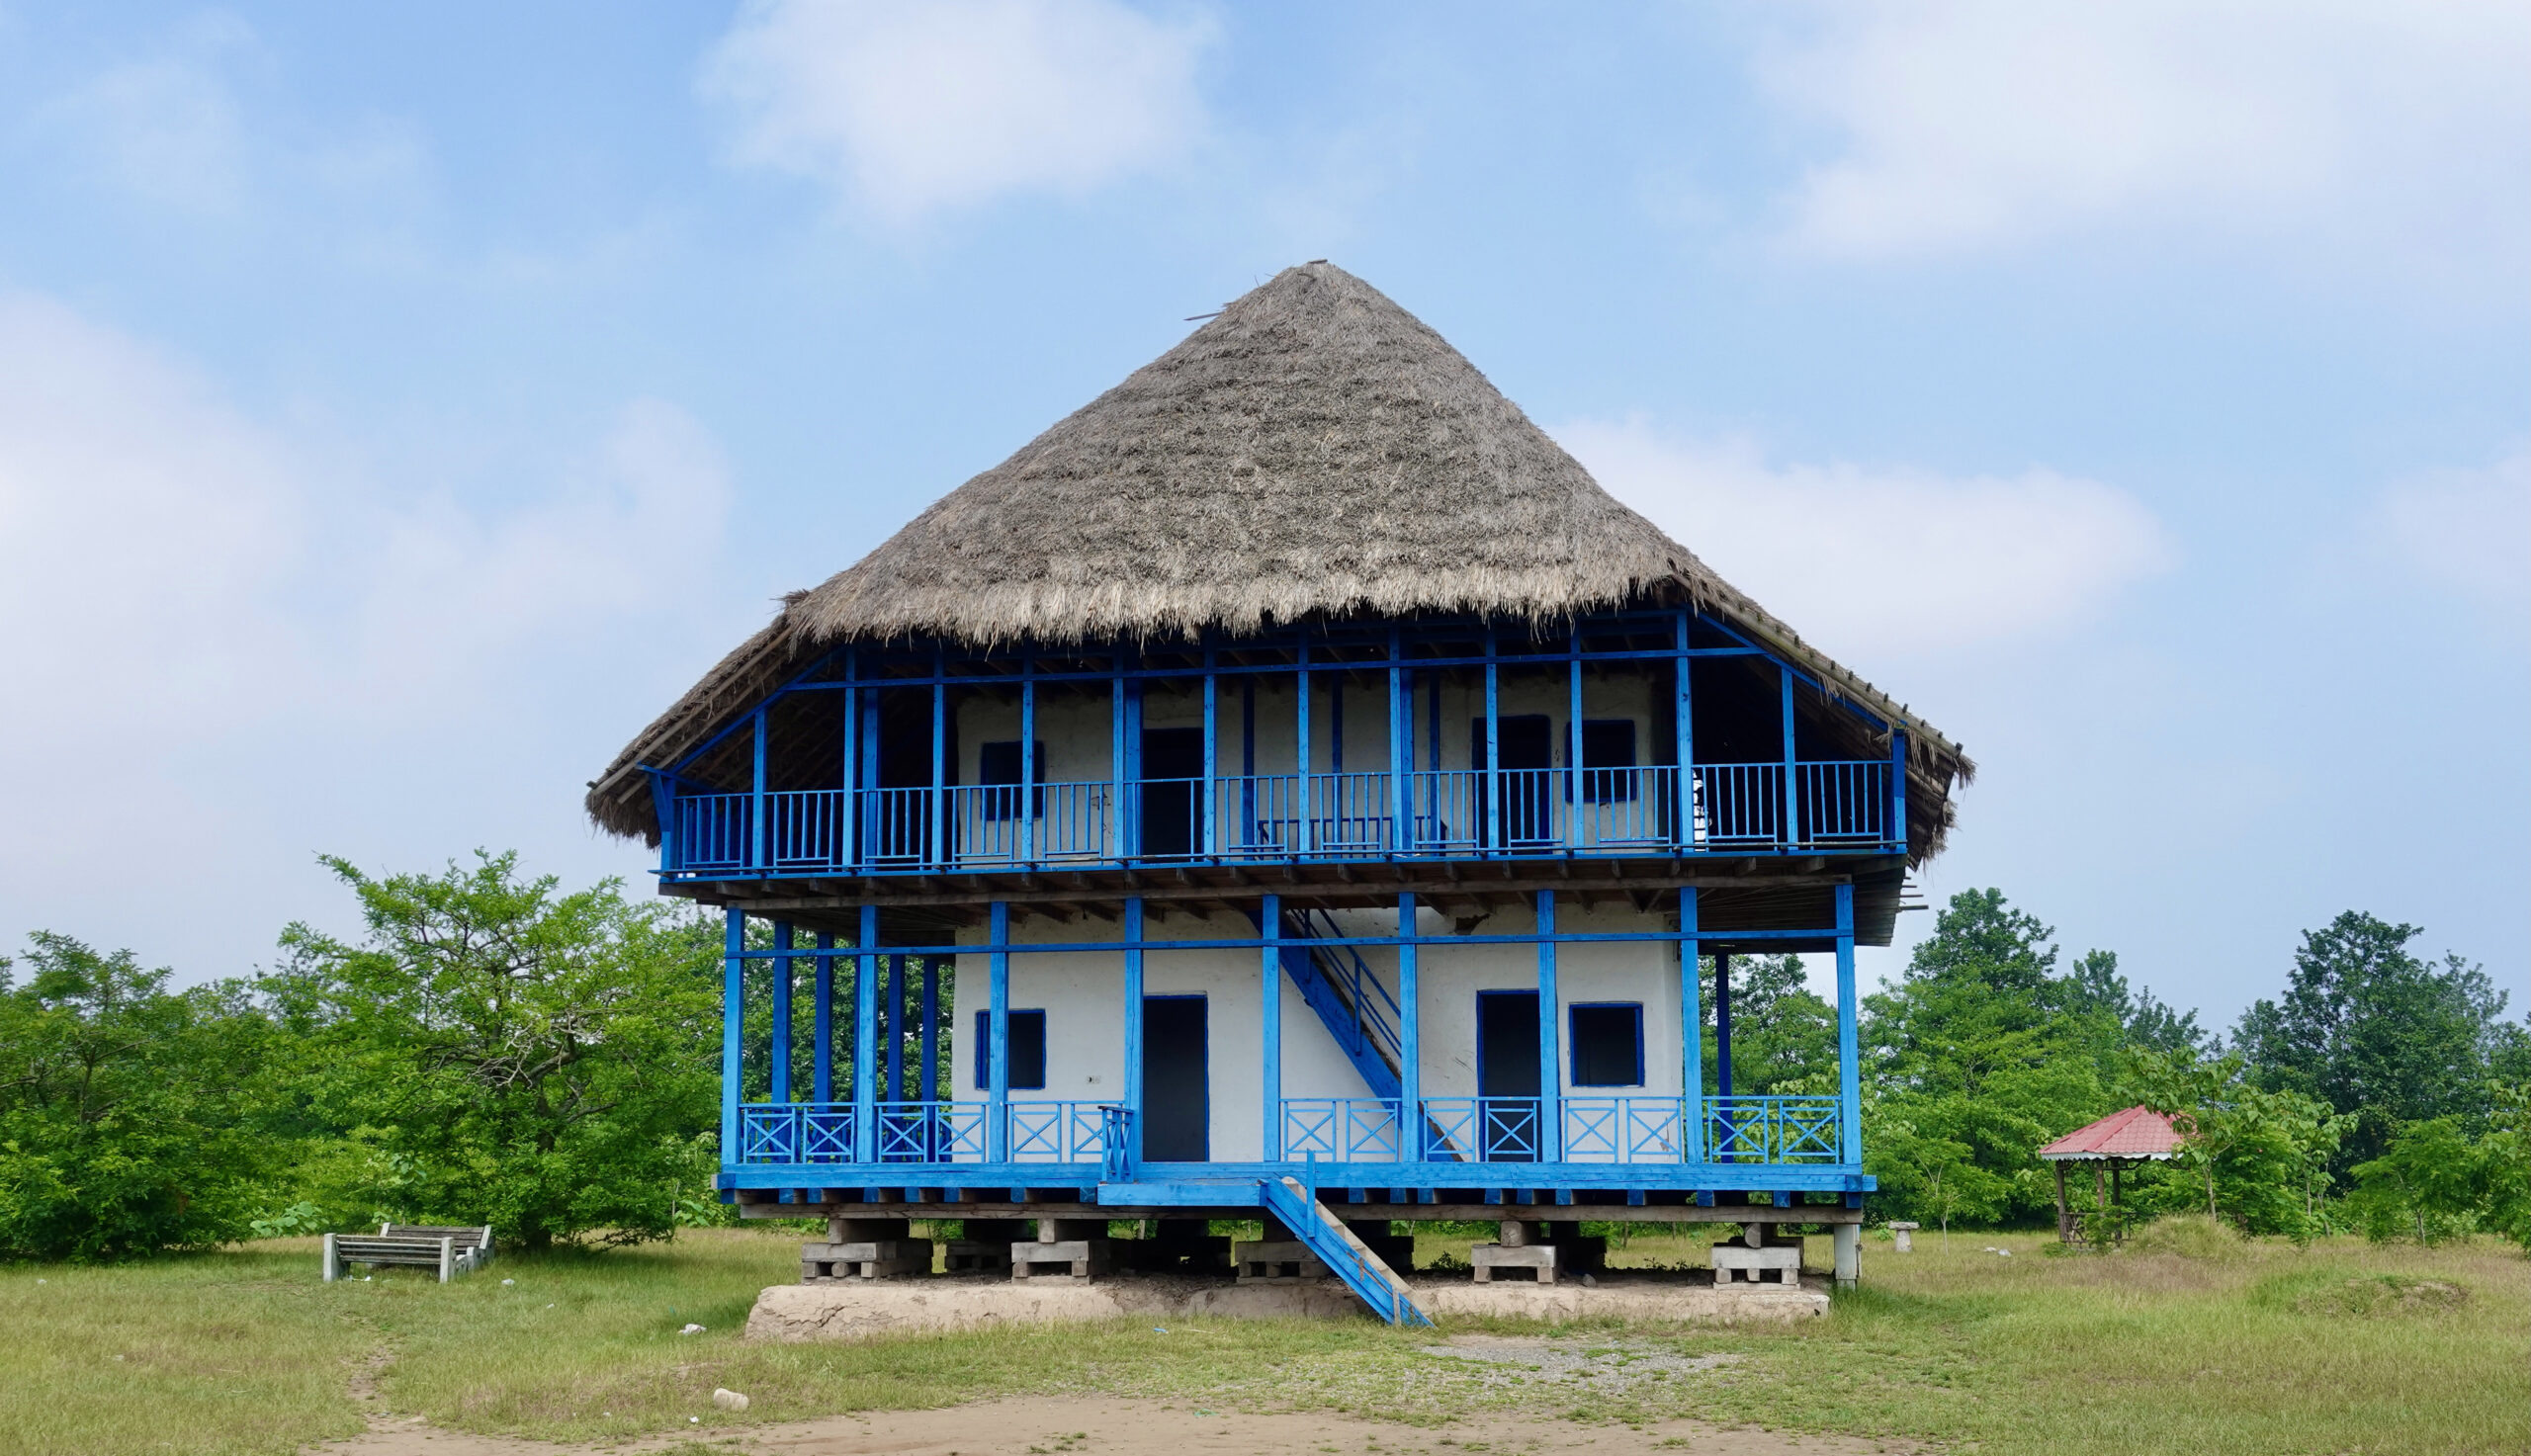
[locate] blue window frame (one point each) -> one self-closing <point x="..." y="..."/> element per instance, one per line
<point x="1027" y="1051"/>
<point x="1606" y="1038"/>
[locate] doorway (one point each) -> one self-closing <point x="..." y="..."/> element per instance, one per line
<point x="1173" y="817"/>
<point x="1506" y="1069"/>
<point x="1177" y="1101"/>
<point x="1529" y="779"/>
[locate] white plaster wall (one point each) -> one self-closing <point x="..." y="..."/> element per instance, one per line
<point x="1082" y="993"/>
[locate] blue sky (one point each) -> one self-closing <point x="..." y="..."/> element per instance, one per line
<point x="398" y="409"/>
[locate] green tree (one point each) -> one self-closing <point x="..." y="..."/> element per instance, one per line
<point x="2377" y="1033"/>
<point x="495" y="1050"/>
<point x="1985" y="1043"/>
<point x="2256" y="1155"/>
<point x="124" y="1108"/>
<point x="1783" y="1035"/>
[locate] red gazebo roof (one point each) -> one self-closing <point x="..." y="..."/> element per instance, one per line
<point x="2139" y="1132"/>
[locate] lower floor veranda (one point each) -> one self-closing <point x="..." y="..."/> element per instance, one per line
<point x="1541" y="1054"/>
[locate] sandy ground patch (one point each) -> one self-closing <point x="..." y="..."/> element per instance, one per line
<point x="1093" y="1426"/>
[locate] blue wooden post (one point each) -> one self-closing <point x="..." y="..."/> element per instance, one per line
<point x="865" y="1037"/>
<point x="1573" y="828"/>
<point x="1691" y="1032"/>
<point x="1686" y="752"/>
<point x="1209" y="845"/>
<point x="929" y="1089"/>
<point x="1550" y="1062"/>
<point x="1897" y="835"/>
<point x="940" y="766"/>
<point x="779" y="1068"/>
<point x="1133" y="1098"/>
<point x="1271" y="1027"/>
<point x="1791" y="765"/>
<point x="1335" y="735"/>
<point x="759" y="843"/>
<point x="997" y="1049"/>
<point x="1027" y="810"/>
<point x="1123" y="846"/>
<point x="664" y="809"/>
<point x="851" y="850"/>
<point x="1134" y="687"/>
<point x="876" y="827"/>
<point x="1722" y="1025"/>
<point x="1247" y="759"/>
<point x="1494" y="835"/>
<point x="1848" y="1053"/>
<point x="1301" y="763"/>
<point x="1410" y="1038"/>
<point x="822" y="1076"/>
<point x="892" y="1026"/>
<point x="734" y="1017"/>
<point x="1401" y="751"/>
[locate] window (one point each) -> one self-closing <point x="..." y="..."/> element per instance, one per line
<point x="997" y="764"/>
<point x="1027" y="1051"/>
<point x="1607" y="1044"/>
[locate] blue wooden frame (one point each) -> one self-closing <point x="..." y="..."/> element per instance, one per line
<point x="1572" y="1073"/>
<point x="756" y="832"/>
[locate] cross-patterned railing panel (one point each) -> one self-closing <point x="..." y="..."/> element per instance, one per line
<point x="1058" y="1132"/>
<point x="1624" y="1129"/>
<point x="1346" y="1129"/>
<point x="1771" y="1128"/>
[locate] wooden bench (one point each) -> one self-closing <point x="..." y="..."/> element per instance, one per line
<point x="449" y="1249"/>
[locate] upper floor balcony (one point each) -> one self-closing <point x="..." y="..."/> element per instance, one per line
<point x="1639" y="735"/>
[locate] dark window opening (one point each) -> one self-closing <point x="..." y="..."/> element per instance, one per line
<point x="1607" y="762"/>
<point x="997" y="764"/>
<point x="1027" y="1051"/>
<point x="1607" y="1044"/>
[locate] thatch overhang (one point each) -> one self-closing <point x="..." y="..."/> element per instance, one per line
<point x="1312" y="453"/>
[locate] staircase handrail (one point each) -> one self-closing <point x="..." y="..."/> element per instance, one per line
<point x="1348" y="1256"/>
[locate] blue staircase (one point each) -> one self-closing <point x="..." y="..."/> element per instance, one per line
<point x="1349" y="1258"/>
<point x="1352" y="1003"/>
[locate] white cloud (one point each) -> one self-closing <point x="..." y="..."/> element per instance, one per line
<point x="227" y="651"/>
<point x="1966" y="125"/>
<point x="1872" y="563"/>
<point x="2468" y="530"/>
<point x="912" y="106"/>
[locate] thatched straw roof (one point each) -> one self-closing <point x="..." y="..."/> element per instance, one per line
<point x="1312" y="451"/>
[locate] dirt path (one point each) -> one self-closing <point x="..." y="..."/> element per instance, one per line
<point x="1093" y="1426"/>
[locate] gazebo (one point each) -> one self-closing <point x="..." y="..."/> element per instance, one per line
<point x="2136" y="1135"/>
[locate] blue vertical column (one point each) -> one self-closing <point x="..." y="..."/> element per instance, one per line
<point x="1683" y="707"/>
<point x="928" y="1090"/>
<point x="778" y="1068"/>
<point x="1690" y="1033"/>
<point x="1493" y="788"/>
<point x="1246" y="760"/>
<point x="892" y="1025"/>
<point x="1269" y="1010"/>
<point x="1133" y="761"/>
<point x="759" y="843"/>
<point x="1849" y="1058"/>
<point x="822" y="1074"/>
<point x="734" y="1015"/>
<point x="1133" y="1098"/>
<point x="1410" y="1037"/>
<point x="880" y="829"/>
<point x="1209" y="842"/>
<point x="849" y="849"/>
<point x="1897" y="835"/>
<point x="1027" y="810"/>
<point x="1791" y="790"/>
<point x="1120" y="846"/>
<point x="1551" y="1016"/>
<point x="865" y="1037"/>
<point x="1573" y="834"/>
<point x="997" y="1041"/>
<point x="1401" y="749"/>
<point x="939" y="846"/>
<point x="1301" y="761"/>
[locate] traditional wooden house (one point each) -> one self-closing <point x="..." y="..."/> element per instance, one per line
<point x="1309" y="788"/>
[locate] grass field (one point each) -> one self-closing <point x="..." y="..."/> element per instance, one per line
<point x="2189" y="1343"/>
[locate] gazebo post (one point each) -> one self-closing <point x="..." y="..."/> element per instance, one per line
<point x="2062" y="1233"/>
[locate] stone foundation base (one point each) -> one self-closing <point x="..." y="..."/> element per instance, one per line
<point x="1065" y="1258"/>
<point x="863" y="1310"/>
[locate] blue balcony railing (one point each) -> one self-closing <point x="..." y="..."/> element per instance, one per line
<point x="1729" y="807"/>
<point x="1620" y="1130"/>
<point x="924" y="1131"/>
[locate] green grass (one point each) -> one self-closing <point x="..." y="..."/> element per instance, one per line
<point x="2246" y="1348"/>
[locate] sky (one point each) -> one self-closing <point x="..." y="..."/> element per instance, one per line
<point x="400" y="407"/>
